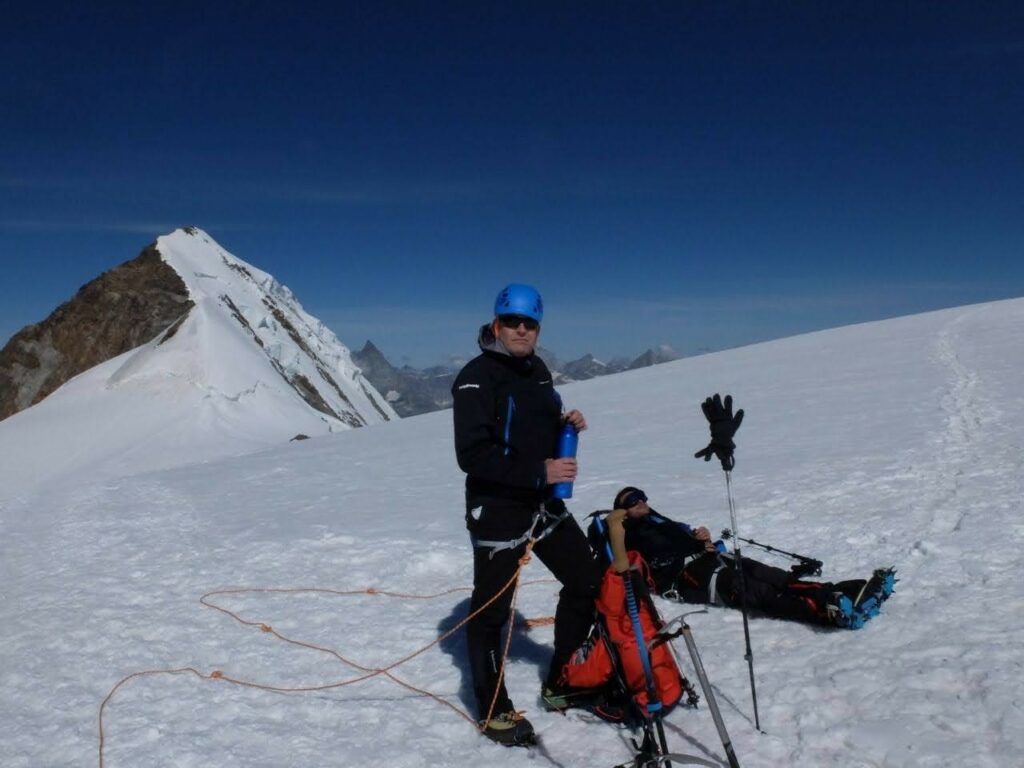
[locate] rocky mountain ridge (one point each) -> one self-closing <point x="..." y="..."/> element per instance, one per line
<point x="247" y="333"/>
<point x="120" y="310"/>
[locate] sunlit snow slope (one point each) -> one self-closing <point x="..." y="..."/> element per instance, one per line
<point x="892" y="443"/>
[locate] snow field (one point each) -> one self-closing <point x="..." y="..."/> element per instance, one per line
<point x="888" y="443"/>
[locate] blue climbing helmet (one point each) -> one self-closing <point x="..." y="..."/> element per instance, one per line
<point x="519" y="299"/>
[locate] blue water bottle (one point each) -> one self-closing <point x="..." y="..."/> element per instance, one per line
<point x="568" y="440"/>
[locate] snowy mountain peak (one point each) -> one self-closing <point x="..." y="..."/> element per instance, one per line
<point x="266" y="318"/>
<point x="183" y="354"/>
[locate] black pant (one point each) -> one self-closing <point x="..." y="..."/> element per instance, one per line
<point x="773" y="591"/>
<point x="566" y="554"/>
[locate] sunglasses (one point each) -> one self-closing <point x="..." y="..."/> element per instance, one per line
<point x="514" y="321"/>
<point x="631" y="499"/>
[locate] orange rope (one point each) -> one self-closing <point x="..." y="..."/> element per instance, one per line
<point x="147" y="673"/>
<point x="508" y="637"/>
<point x="370" y="672"/>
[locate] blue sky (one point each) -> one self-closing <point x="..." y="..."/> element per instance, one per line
<point x="692" y="173"/>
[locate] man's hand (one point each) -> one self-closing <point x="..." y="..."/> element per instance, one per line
<point x="704" y="535"/>
<point x="559" y="470"/>
<point x="575" y="418"/>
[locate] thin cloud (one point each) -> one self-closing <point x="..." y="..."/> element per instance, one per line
<point x="368" y="192"/>
<point x="395" y="319"/>
<point x="63" y="184"/>
<point x="783" y="300"/>
<point x="153" y="229"/>
<point x="384" y="193"/>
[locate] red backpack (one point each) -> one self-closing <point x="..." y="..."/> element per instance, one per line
<point x="595" y="663"/>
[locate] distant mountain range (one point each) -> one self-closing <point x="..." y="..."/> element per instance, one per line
<point x="411" y="391"/>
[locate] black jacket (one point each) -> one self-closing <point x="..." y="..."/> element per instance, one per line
<point x="664" y="544"/>
<point x="507" y="419"/>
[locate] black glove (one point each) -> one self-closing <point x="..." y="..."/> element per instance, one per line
<point x="723" y="427"/>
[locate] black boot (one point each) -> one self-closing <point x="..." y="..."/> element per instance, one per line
<point x="510" y="729"/>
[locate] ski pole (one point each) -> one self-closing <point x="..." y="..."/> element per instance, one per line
<point x="749" y="656"/>
<point x="620" y="563"/>
<point x="653" y="752"/>
<point x="810" y="565"/>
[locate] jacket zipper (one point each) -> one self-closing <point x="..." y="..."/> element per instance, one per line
<point x="510" y="411"/>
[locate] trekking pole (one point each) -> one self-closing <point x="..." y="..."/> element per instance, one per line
<point x="808" y="565"/>
<point x="620" y="563"/>
<point x="743" y="597"/>
<point x="651" y="754"/>
<point x="723" y="424"/>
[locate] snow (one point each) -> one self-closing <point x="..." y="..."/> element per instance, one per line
<point x="888" y="443"/>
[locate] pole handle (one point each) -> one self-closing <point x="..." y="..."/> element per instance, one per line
<point x="617" y="537"/>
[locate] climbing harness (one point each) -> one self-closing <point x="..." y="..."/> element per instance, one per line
<point x="539" y="516"/>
